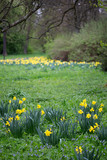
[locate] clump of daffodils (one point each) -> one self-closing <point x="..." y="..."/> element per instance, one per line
<point x="20" y="111"/>
<point x="78" y="149"/>
<point x="89" y="115"/>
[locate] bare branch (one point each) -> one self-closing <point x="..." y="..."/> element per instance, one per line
<point x="4" y="8"/>
<point x="7" y="10"/>
<point x="21" y="20"/>
<point x="61" y="21"/>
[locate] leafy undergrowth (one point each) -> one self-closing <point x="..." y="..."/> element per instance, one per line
<point x="45" y="114"/>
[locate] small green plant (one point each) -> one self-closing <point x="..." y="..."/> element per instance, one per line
<point x="102" y="133"/>
<point x="49" y="137"/>
<point x="89" y="116"/>
<point x="14" y="126"/>
<point x="54" y="115"/>
<point x="4" y="108"/>
<point x="32" y="121"/>
<point x="67" y="129"/>
<point x="85" y="154"/>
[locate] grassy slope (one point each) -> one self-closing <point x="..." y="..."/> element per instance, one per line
<point x="64" y="88"/>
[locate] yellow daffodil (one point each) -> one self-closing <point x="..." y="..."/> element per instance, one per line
<point x="78" y="150"/>
<point x="88" y="115"/>
<point x="85" y="105"/>
<point x="20" y="101"/>
<point x="18" y="111"/>
<point x="14" y="98"/>
<point x="100" y="109"/>
<point x="91" y="110"/>
<point x="96" y="125"/>
<point x="7" y="123"/>
<point x="10" y="101"/>
<point x="24" y="99"/>
<point x="23" y="110"/>
<point x="81" y="104"/>
<point x="93" y="102"/>
<point x="42" y="112"/>
<point x="10" y="119"/>
<point x="47" y="132"/>
<point x="80" y="111"/>
<point x="38" y="106"/>
<point x="17" y="118"/>
<point x="63" y="118"/>
<point x="95" y="116"/>
<point x="84" y="100"/>
<point x="91" y="129"/>
<point x="102" y="105"/>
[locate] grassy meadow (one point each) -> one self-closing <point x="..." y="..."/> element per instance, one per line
<point x="51" y="84"/>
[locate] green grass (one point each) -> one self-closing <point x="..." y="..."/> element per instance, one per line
<point x="61" y="89"/>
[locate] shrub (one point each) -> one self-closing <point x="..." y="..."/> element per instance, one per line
<point x="104" y="64"/>
<point x="84" y="46"/>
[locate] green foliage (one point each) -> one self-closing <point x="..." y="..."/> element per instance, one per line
<point x="4" y="108"/>
<point x="52" y="139"/>
<point x="54" y="115"/>
<point x="16" y="128"/>
<point x="15" y="43"/>
<point x="32" y="121"/>
<point x="84" y="46"/>
<point x="67" y="129"/>
<point x="102" y="133"/>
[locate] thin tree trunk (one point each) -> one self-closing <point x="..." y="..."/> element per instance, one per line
<point x="4" y="45"/>
<point x="27" y="39"/>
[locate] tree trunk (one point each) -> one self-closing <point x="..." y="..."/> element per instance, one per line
<point x="4" y="45"/>
<point x="27" y="39"/>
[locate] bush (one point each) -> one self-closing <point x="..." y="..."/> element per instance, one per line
<point x="104" y="64"/>
<point x="84" y="46"/>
